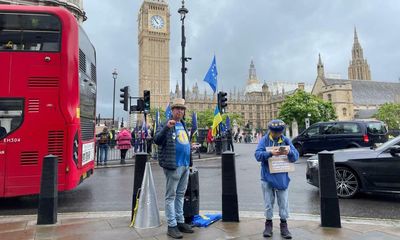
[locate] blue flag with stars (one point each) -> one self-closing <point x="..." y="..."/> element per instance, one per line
<point x="168" y="112"/>
<point x="211" y="76"/>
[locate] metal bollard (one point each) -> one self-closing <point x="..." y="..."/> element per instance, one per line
<point x="330" y="212"/>
<point x="230" y="209"/>
<point x="140" y="165"/>
<point x="47" y="210"/>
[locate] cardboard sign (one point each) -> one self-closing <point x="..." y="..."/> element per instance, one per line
<point x="280" y="163"/>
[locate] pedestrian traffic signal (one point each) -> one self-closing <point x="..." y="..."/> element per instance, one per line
<point x="125" y="97"/>
<point x="140" y="105"/>
<point x="222" y="101"/>
<point x="146" y="99"/>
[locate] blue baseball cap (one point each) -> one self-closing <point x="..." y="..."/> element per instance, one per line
<point x="276" y="125"/>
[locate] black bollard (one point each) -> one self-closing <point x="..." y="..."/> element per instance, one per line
<point x="230" y="209"/>
<point x="330" y="212"/>
<point x="47" y="210"/>
<point x="140" y="166"/>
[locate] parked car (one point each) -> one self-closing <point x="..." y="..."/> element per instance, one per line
<point x="363" y="169"/>
<point x="340" y="135"/>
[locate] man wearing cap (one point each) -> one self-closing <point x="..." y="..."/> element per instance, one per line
<point x="174" y="157"/>
<point x="275" y="184"/>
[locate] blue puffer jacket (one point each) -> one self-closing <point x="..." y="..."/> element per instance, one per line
<point x="166" y="143"/>
<point x="279" y="181"/>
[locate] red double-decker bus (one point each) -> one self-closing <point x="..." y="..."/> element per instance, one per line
<point x="47" y="98"/>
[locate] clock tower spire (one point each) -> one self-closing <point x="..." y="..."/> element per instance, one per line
<point x="153" y="41"/>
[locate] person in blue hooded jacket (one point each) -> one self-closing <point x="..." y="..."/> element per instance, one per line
<point x="275" y="184"/>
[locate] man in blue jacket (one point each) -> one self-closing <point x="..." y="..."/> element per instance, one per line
<point x="174" y="157"/>
<point x="275" y="184"/>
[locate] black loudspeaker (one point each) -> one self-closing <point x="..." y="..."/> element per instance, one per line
<point x="191" y="202"/>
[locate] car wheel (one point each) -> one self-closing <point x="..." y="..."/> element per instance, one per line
<point x="347" y="184"/>
<point x="299" y="149"/>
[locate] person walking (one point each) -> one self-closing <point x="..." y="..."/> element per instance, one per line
<point x="275" y="184"/>
<point x="210" y="141"/>
<point x="104" y="141"/>
<point x="174" y="157"/>
<point x="124" y="143"/>
<point x="229" y="140"/>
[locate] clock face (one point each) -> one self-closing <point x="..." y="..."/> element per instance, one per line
<point x="157" y="22"/>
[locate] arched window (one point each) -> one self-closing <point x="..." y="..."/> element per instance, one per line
<point x="330" y="97"/>
<point x="344" y="112"/>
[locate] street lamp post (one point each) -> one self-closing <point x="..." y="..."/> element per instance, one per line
<point x="115" y="75"/>
<point x="308" y="120"/>
<point x="183" y="11"/>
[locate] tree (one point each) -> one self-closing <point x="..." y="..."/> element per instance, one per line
<point x="299" y="105"/>
<point x="390" y="114"/>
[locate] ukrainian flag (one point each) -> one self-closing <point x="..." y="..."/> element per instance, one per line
<point x="217" y="120"/>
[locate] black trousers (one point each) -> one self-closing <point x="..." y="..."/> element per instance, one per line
<point x="123" y="153"/>
<point x="230" y="146"/>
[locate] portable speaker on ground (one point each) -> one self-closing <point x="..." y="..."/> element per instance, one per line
<point x="191" y="200"/>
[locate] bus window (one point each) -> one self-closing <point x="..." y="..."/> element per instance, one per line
<point x="10" y="115"/>
<point x="29" y="32"/>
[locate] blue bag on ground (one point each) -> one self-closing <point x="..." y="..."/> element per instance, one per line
<point x="204" y="220"/>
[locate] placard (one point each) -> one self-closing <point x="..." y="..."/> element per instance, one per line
<point x="280" y="163"/>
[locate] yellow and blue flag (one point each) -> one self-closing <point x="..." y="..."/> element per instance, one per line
<point x="211" y="76"/>
<point x="217" y="120"/>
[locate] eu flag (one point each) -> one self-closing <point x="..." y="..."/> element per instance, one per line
<point x="211" y="76"/>
<point x="228" y="122"/>
<point x="168" y="112"/>
<point x="194" y="124"/>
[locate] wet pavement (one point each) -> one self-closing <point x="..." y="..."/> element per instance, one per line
<point x="82" y="227"/>
<point x="110" y="189"/>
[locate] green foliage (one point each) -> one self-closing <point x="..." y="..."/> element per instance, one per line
<point x="390" y="114"/>
<point x="205" y="118"/>
<point x="298" y="106"/>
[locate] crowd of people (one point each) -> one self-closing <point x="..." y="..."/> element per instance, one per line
<point x="123" y="139"/>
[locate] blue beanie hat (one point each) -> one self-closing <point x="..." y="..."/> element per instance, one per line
<point x="276" y="125"/>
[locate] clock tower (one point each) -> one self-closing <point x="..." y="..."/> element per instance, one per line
<point x="154" y="36"/>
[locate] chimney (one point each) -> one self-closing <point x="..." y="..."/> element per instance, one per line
<point x="300" y="86"/>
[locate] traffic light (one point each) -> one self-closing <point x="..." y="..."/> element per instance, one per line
<point x="140" y="105"/>
<point x="146" y="99"/>
<point x="125" y="97"/>
<point x="222" y="101"/>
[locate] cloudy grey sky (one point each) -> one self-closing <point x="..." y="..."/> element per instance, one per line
<point x="283" y="37"/>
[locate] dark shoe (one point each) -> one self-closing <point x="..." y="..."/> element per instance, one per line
<point x="185" y="228"/>
<point x="122" y="162"/>
<point x="268" y="228"/>
<point x="174" y="233"/>
<point x="285" y="231"/>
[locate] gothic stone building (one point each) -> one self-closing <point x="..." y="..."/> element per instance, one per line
<point x="358" y="97"/>
<point x="258" y="103"/>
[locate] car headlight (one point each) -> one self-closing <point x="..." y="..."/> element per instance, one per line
<point x="312" y="163"/>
